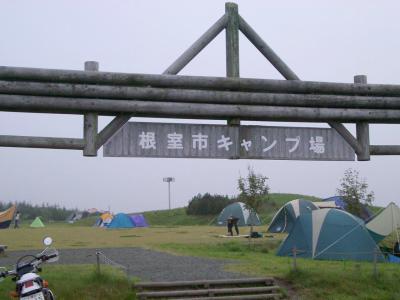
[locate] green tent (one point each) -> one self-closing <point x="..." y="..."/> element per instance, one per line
<point x="330" y="234"/>
<point x="37" y="223"/>
<point x="238" y="210"/>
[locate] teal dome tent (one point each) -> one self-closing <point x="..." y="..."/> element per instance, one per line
<point x="238" y="210"/>
<point x="284" y="219"/>
<point x="330" y="234"/>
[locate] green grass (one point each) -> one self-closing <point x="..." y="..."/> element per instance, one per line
<point x="81" y="282"/>
<point x="314" y="280"/>
<point x="88" y="221"/>
<point x="336" y="280"/>
<point x="176" y="217"/>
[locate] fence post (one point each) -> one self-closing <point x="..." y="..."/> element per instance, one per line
<point x="294" y="258"/>
<point x="98" y="262"/>
<point x="375" y="264"/>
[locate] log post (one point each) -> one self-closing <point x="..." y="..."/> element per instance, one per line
<point x="294" y="252"/>
<point x="232" y="47"/>
<point x="90" y="120"/>
<point x="362" y="128"/>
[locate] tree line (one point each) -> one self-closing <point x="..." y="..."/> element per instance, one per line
<point x="45" y="211"/>
<point x="254" y="189"/>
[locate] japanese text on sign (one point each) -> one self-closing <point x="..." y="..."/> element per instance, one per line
<point x="219" y="141"/>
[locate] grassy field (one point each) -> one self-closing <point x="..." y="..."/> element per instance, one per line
<point x="314" y="279"/>
<point x="67" y="236"/>
<point x="81" y="282"/>
<point x="335" y="280"/>
<point x="175" y="232"/>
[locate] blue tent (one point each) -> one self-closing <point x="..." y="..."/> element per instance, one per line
<point x="393" y="259"/>
<point x="339" y="202"/>
<point x="365" y="213"/>
<point x="330" y="234"/>
<point x="121" y="220"/>
<point x="284" y="219"/>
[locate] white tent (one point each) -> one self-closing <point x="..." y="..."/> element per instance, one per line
<point x="386" y="222"/>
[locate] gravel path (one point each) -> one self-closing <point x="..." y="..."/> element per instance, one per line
<point x="148" y="265"/>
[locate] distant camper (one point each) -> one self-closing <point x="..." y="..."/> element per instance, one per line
<point x="232" y="221"/>
<point x="16" y="219"/>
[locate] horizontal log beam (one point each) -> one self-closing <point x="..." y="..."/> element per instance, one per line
<point x="384" y="150"/>
<point x="196" y="96"/>
<point x="41" y="142"/>
<point x="22" y="103"/>
<point x="196" y="82"/>
<point x="170" y="284"/>
<point x="202" y="292"/>
<point x="275" y="296"/>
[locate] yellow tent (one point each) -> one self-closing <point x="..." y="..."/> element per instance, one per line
<point x="6" y="217"/>
<point x="106" y="216"/>
<point x="104" y="219"/>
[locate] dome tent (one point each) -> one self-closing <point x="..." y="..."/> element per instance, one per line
<point x="286" y="216"/>
<point x="139" y="220"/>
<point x="238" y="210"/>
<point x="384" y="223"/>
<point x="121" y="220"/>
<point x="330" y="234"/>
<point x="104" y="220"/>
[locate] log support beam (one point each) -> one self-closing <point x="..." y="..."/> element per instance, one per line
<point x="362" y="129"/>
<point x="90" y="120"/>
<point x="92" y="93"/>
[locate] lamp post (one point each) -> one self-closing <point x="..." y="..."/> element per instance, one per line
<point x="169" y="180"/>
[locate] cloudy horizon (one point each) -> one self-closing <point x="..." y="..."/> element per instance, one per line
<point x="319" y="41"/>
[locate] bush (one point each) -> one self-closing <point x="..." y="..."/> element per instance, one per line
<point x="207" y="204"/>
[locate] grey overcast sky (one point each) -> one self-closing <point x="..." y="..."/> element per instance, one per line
<point x="319" y="40"/>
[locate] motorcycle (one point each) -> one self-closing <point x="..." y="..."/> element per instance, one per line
<point x="29" y="285"/>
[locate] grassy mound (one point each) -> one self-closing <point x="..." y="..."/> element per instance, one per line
<point x="178" y="216"/>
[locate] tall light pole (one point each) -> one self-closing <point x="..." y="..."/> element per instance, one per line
<point x="169" y="180"/>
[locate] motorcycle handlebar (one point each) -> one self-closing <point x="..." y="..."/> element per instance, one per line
<point x="7" y="273"/>
<point x="47" y="257"/>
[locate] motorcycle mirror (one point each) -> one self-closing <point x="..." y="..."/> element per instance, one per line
<point x="47" y="241"/>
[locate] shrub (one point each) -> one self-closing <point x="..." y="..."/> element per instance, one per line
<point x="207" y="204"/>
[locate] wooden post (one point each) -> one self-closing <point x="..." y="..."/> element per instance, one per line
<point x="362" y="128"/>
<point x="98" y="262"/>
<point x="294" y="258"/>
<point x="90" y="120"/>
<point x="375" y="264"/>
<point x="232" y="47"/>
